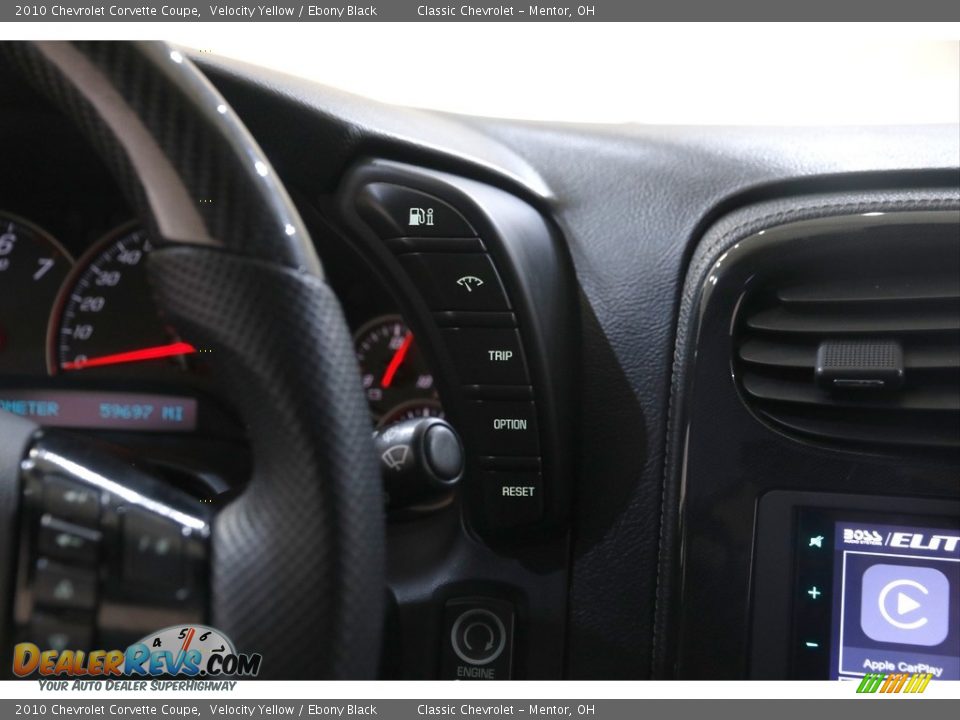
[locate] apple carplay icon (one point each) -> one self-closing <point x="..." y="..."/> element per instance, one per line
<point x="905" y="604"/>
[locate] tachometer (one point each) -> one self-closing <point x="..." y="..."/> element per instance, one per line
<point x="32" y="267"/>
<point x="395" y="375"/>
<point x="108" y="317"/>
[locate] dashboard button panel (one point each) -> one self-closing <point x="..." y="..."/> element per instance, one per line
<point x="495" y="297"/>
<point x="504" y="364"/>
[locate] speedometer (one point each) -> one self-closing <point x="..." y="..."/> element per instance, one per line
<point x="108" y="318"/>
<point x="32" y="267"/>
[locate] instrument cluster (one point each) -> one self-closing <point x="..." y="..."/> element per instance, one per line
<point x="82" y="344"/>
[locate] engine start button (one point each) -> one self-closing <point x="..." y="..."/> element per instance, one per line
<point x="478" y="636"/>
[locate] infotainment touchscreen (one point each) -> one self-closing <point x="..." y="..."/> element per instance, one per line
<point x="896" y="604"/>
<point x="876" y="594"/>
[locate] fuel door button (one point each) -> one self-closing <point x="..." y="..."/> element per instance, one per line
<point x="395" y="211"/>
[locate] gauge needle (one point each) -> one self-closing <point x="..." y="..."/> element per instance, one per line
<point x="132" y="356"/>
<point x="396" y="361"/>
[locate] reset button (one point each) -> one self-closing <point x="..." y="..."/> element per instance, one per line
<point x="512" y="498"/>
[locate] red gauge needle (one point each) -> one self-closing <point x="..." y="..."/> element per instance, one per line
<point x="150" y="353"/>
<point x="396" y="361"/>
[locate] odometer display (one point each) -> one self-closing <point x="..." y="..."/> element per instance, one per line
<point x="102" y="410"/>
<point x="108" y="318"/>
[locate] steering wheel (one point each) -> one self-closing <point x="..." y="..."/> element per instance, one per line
<point x="296" y="560"/>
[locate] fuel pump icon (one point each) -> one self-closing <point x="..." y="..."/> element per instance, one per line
<point x="419" y="216"/>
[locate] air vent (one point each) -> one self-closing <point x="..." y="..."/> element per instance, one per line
<point x="851" y="359"/>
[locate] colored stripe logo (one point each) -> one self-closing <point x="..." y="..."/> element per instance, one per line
<point x="894" y="683"/>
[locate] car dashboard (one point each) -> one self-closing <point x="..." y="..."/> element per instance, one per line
<point x="634" y="332"/>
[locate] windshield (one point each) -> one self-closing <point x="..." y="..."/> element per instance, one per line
<point x="614" y="73"/>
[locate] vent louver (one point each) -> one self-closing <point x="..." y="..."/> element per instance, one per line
<point x="902" y="328"/>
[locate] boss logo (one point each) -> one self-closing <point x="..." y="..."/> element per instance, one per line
<point x="862" y="537"/>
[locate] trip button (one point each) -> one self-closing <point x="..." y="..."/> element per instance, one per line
<point x="504" y="427"/>
<point x="512" y="498"/>
<point x="487" y="356"/>
<point x="456" y="281"/>
<point x="64" y="587"/>
<point x="395" y="211"/>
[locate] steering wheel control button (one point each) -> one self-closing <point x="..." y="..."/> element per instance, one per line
<point x="512" y="498"/>
<point x="71" y="501"/>
<point x="68" y="542"/>
<point x="152" y="550"/>
<point x="478" y="639"/>
<point x="59" y="586"/>
<point x="487" y="356"/>
<point x="395" y="211"/>
<point x="505" y="427"/>
<point x="456" y="281"/>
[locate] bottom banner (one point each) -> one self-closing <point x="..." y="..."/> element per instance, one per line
<point x="418" y="710"/>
